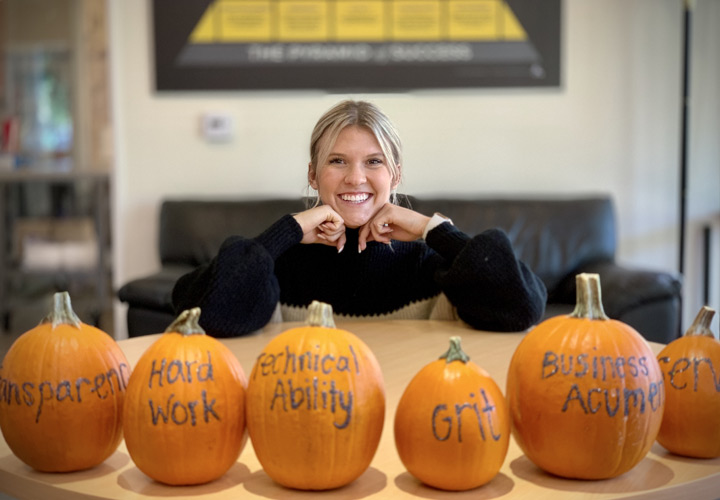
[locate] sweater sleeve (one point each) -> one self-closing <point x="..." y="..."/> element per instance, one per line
<point x="237" y="291"/>
<point x="484" y="280"/>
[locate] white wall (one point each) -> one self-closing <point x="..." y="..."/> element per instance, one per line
<point x="612" y="127"/>
<point x="703" y="184"/>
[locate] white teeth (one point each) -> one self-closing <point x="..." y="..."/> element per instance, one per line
<point x="355" y="197"/>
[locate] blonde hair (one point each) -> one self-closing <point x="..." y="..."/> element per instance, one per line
<point x="363" y="114"/>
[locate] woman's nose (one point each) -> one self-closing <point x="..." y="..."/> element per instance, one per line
<point x="355" y="175"/>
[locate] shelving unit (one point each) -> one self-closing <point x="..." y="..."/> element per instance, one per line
<point x="25" y="289"/>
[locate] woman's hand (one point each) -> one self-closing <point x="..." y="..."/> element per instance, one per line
<point x="322" y="225"/>
<point x="392" y="222"/>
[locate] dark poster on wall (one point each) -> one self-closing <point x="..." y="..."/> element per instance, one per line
<point x="355" y="45"/>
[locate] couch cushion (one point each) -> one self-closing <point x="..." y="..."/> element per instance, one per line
<point x="143" y="321"/>
<point x="153" y="291"/>
<point x="627" y="289"/>
<point x="191" y="231"/>
<point x="555" y="237"/>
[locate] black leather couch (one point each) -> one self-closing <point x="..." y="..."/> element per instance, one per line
<point x="557" y="237"/>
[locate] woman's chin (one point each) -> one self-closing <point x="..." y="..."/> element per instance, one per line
<point x="353" y="225"/>
<point x="354" y="222"/>
<point x="354" y="219"/>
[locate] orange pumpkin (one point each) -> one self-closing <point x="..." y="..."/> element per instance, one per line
<point x="315" y="405"/>
<point x="185" y="409"/>
<point x="691" y="366"/>
<point x="452" y="428"/>
<point x="585" y="392"/>
<point x="62" y="387"/>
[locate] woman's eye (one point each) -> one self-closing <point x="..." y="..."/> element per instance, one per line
<point x="375" y="162"/>
<point x="336" y="161"/>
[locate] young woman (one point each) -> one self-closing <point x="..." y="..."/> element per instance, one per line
<point x="360" y="252"/>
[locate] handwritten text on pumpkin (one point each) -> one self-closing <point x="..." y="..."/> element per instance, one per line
<point x="173" y="410"/>
<point x="618" y="399"/>
<point x="29" y="393"/>
<point x="315" y="392"/>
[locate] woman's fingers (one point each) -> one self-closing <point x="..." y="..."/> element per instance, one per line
<point x="320" y="224"/>
<point x="374" y="231"/>
<point x="325" y="226"/>
<point x="331" y="235"/>
<point x="341" y="242"/>
<point x="363" y="236"/>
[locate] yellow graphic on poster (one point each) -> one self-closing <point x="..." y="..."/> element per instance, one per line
<point x="416" y="20"/>
<point x="303" y="21"/>
<point x="360" y="21"/>
<point x="238" y="21"/>
<point x="482" y="20"/>
<point x="246" y="21"/>
<point x="204" y="31"/>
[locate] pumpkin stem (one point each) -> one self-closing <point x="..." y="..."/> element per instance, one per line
<point x="701" y="325"/>
<point x="320" y="314"/>
<point x="455" y="352"/>
<point x="589" y="300"/>
<point x="62" y="312"/>
<point x="187" y="323"/>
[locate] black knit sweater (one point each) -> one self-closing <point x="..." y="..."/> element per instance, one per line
<point x="238" y="291"/>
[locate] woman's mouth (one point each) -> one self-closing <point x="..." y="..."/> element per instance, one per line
<point x="355" y="197"/>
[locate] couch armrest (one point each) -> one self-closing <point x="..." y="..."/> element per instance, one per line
<point x="649" y="301"/>
<point x="626" y="288"/>
<point x="153" y="291"/>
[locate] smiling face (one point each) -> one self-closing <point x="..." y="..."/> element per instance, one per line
<point x="354" y="180"/>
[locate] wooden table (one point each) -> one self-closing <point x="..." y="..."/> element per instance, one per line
<point x="402" y="348"/>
